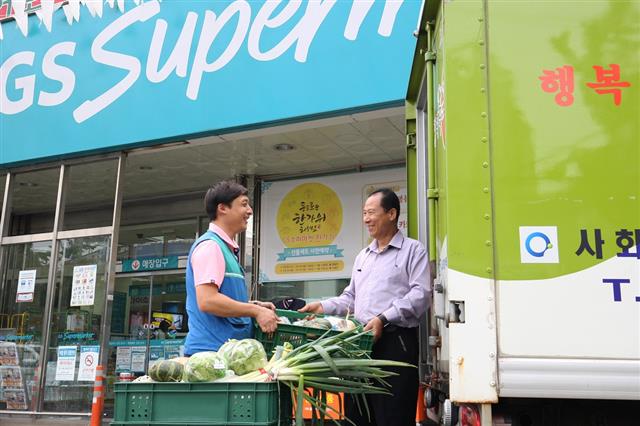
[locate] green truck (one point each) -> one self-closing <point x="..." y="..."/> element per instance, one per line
<point x="523" y="152"/>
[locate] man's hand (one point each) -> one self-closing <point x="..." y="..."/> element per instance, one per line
<point x="376" y="325"/>
<point x="267" y="305"/>
<point x="312" y="308"/>
<point x="267" y="320"/>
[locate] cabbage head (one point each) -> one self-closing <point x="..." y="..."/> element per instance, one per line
<point x="226" y="347"/>
<point x="244" y="356"/>
<point x="204" y="367"/>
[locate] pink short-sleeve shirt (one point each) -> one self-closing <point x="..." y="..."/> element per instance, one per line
<point x="207" y="260"/>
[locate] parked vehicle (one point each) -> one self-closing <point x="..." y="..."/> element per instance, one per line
<point x="523" y="134"/>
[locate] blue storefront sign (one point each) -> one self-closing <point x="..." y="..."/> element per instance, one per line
<point x="142" y="264"/>
<point x="174" y="70"/>
<point x="153" y="343"/>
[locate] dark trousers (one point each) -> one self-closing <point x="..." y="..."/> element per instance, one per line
<point x="399" y="409"/>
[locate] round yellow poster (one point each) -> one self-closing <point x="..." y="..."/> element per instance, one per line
<point x="309" y="215"/>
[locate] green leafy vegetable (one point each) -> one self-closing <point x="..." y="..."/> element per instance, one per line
<point x="204" y="367"/>
<point x="244" y="356"/>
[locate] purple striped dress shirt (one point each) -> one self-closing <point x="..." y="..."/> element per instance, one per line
<point x="392" y="282"/>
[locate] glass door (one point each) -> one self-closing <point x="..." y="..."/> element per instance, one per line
<point x="22" y="305"/>
<point x="129" y="331"/>
<point x="74" y="334"/>
<point x="148" y="324"/>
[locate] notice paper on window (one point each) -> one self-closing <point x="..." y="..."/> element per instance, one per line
<point x="26" y="286"/>
<point x="88" y="363"/>
<point x="66" y="364"/>
<point x="83" y="289"/>
<point x="123" y="359"/>
<point x="138" y="357"/>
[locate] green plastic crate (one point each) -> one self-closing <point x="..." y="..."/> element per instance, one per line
<point x="164" y="404"/>
<point x="298" y="336"/>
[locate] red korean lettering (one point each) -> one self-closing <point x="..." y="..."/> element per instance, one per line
<point x="608" y="81"/>
<point x="559" y="81"/>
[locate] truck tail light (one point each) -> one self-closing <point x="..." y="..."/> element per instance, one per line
<point x="469" y="416"/>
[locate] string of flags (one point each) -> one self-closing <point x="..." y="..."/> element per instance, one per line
<point x="20" y="10"/>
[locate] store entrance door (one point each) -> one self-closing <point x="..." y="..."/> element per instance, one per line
<point x="148" y="323"/>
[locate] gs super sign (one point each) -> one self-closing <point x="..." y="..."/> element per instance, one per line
<point x="112" y="75"/>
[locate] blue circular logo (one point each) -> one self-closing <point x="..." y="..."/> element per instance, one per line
<point x="532" y="252"/>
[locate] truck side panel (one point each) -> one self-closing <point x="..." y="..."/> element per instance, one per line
<point x="537" y="213"/>
<point x="565" y="116"/>
<point x="570" y="165"/>
<point x="464" y="204"/>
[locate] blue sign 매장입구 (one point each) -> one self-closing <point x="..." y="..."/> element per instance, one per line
<point x="170" y="70"/>
<point x="142" y="264"/>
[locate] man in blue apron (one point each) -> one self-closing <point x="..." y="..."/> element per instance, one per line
<point x="217" y="301"/>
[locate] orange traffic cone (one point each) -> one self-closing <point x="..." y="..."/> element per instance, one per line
<point x="98" y="397"/>
<point x="421" y="410"/>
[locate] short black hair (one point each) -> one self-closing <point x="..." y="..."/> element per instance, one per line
<point x="222" y="193"/>
<point x="388" y="201"/>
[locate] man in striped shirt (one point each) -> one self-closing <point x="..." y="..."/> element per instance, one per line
<point x="388" y="292"/>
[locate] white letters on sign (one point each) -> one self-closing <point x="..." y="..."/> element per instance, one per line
<point x="116" y="60"/>
<point x="237" y="13"/>
<point x="59" y="73"/>
<point x="26" y="85"/>
<point x="210" y="29"/>
<point x="179" y="58"/>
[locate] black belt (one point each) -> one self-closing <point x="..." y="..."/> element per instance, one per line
<point x="391" y="328"/>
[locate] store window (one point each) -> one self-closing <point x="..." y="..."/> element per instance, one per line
<point x="156" y="240"/>
<point x="74" y="339"/>
<point x="34" y="201"/>
<point x="22" y="312"/>
<point x="90" y="194"/>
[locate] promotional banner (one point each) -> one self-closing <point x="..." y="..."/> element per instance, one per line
<point x="11" y="383"/>
<point x="10" y="377"/>
<point x="8" y="354"/>
<point x="15" y="399"/>
<point x="312" y="228"/>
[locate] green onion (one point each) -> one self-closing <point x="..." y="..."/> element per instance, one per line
<point x="329" y="364"/>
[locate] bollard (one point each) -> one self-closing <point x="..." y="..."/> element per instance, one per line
<point x="97" y="403"/>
